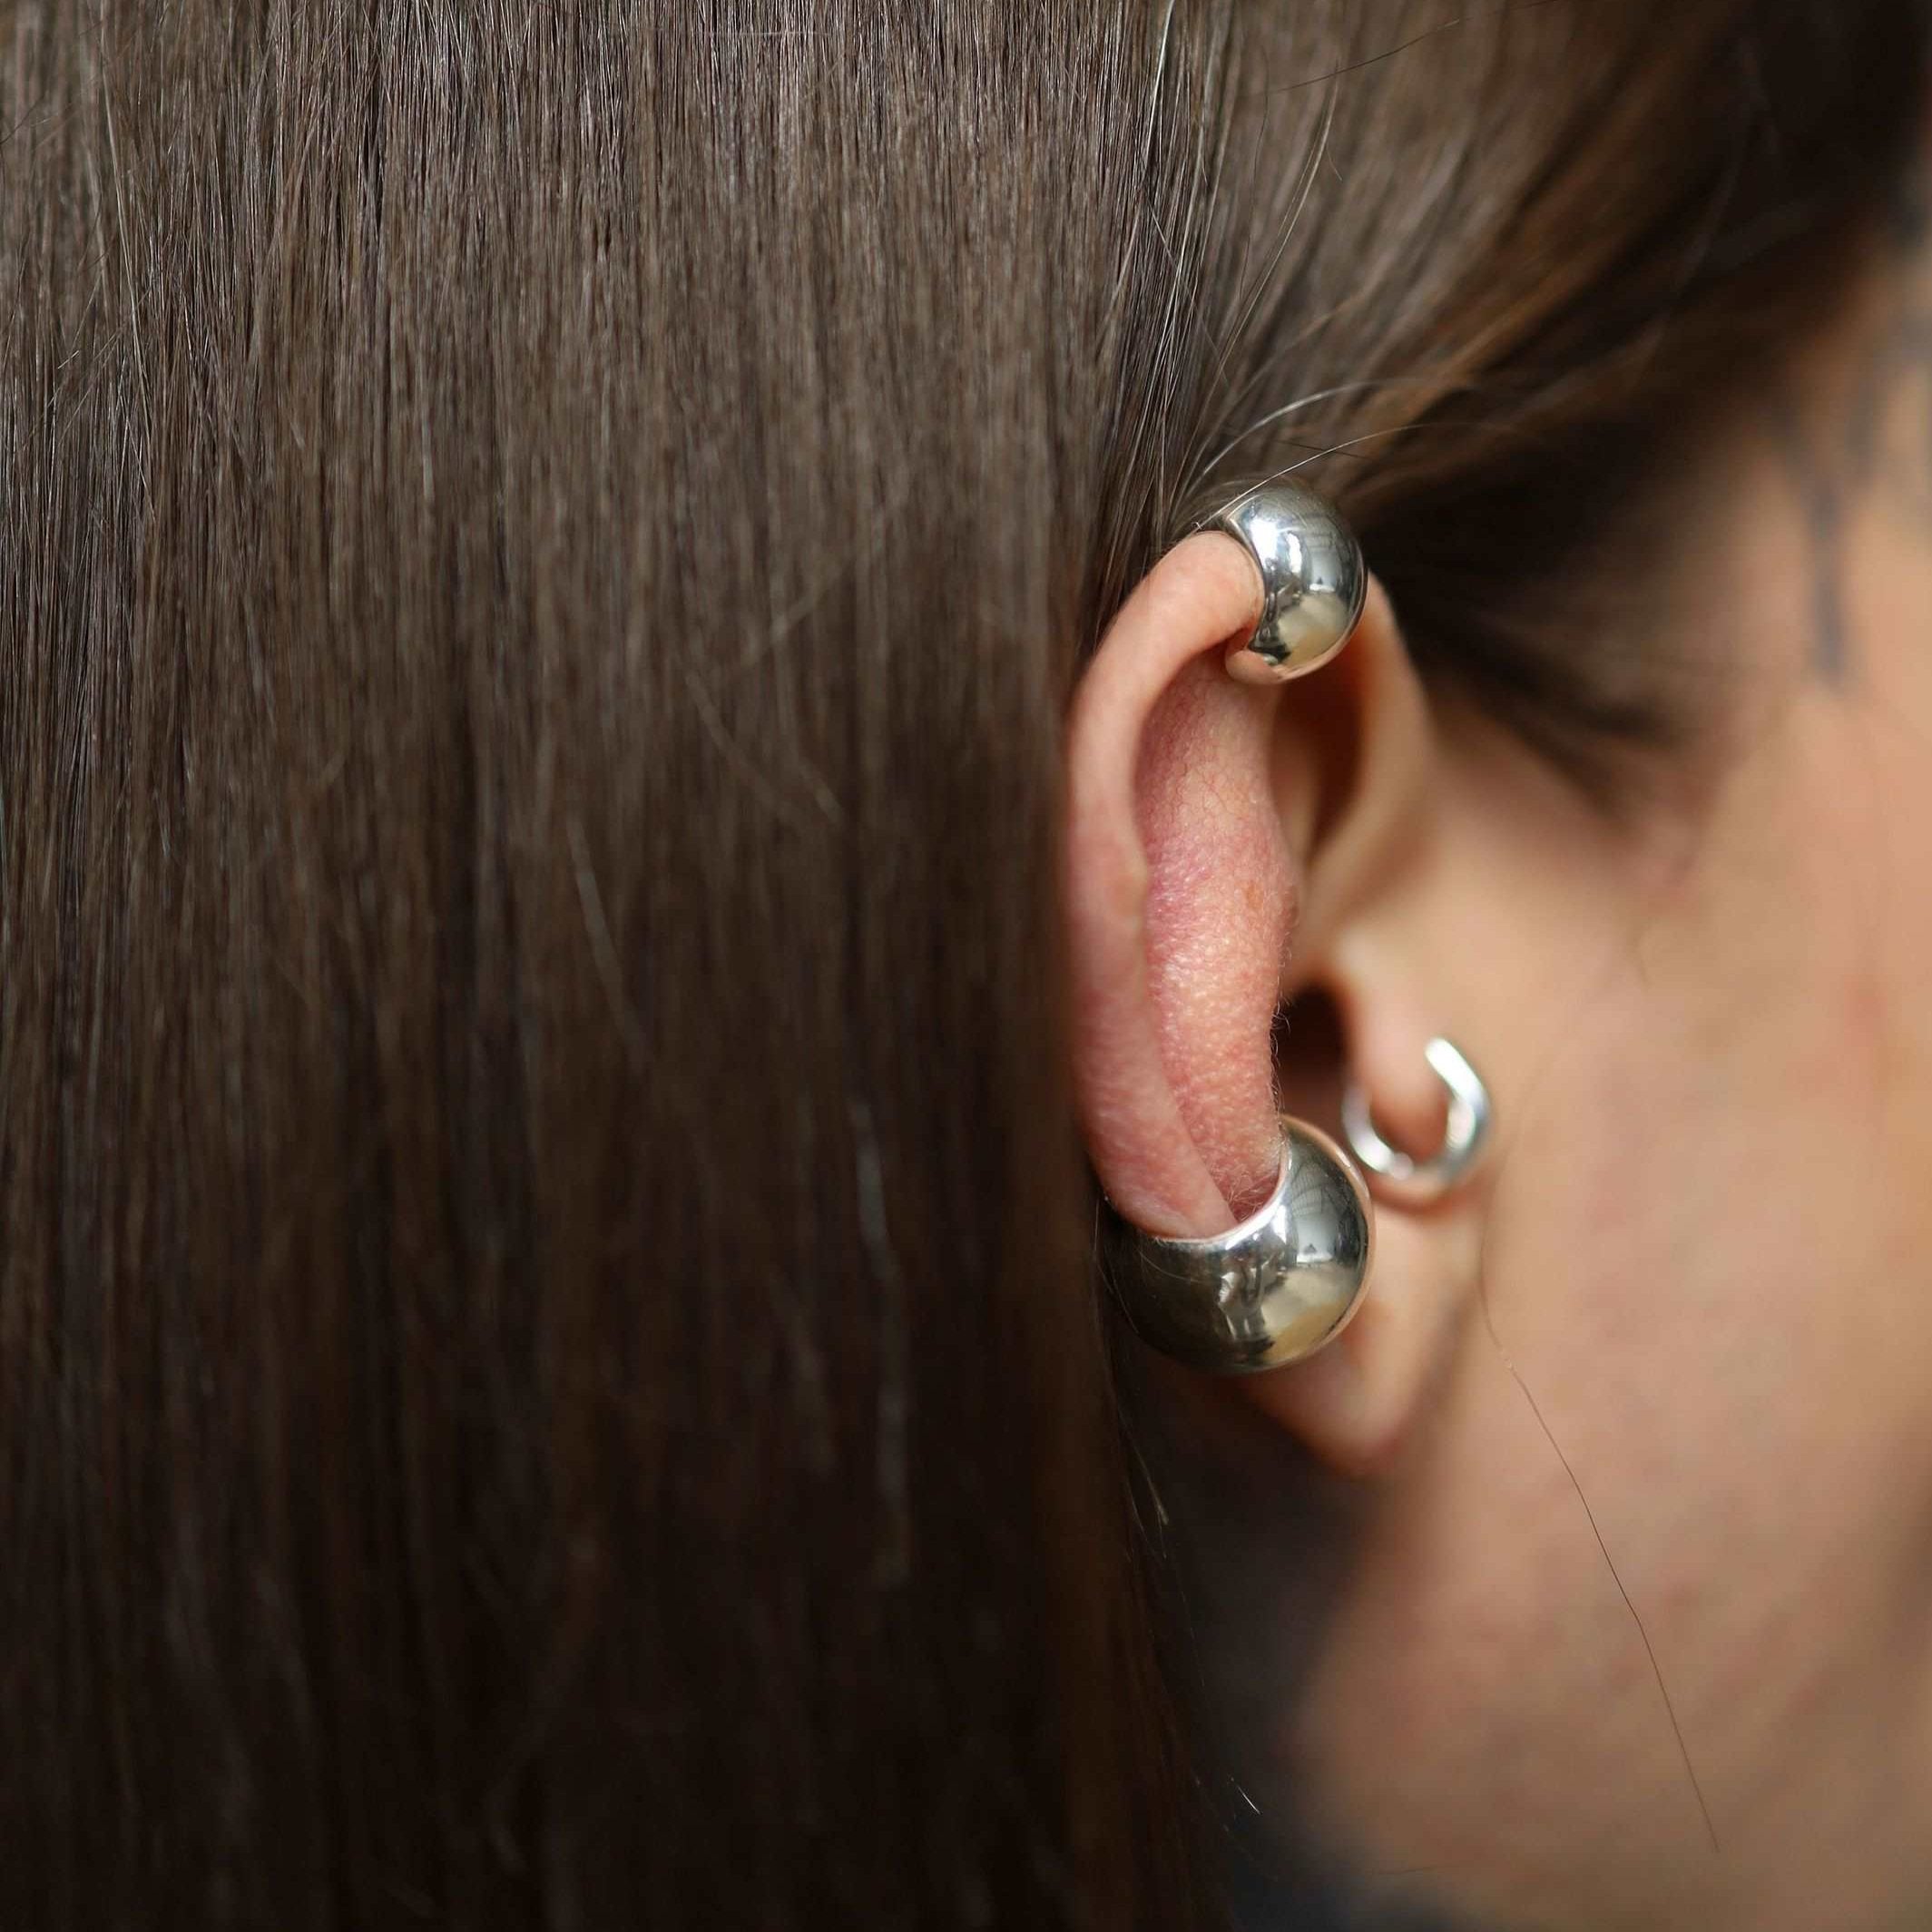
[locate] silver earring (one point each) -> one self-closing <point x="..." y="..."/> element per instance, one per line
<point x="1314" y="581"/>
<point x="1411" y="1184"/>
<point x="1274" y="1290"/>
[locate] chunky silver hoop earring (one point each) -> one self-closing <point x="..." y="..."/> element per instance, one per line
<point x="1274" y="1290"/>
<point x="1314" y="581"/>
<point x="1410" y="1184"/>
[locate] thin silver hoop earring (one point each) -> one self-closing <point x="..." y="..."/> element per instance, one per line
<point x="1405" y="1181"/>
<point x="1314" y="581"/>
<point x="1274" y="1290"/>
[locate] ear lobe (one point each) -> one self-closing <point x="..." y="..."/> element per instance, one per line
<point x="1357" y="1405"/>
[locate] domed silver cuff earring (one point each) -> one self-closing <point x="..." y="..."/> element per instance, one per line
<point x="1314" y="581"/>
<point x="1274" y="1290"/>
<point x="1410" y="1184"/>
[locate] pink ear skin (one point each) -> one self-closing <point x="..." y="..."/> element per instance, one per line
<point x="1180" y="897"/>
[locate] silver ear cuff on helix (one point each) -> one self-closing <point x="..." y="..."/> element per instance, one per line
<point x="1288" y="1280"/>
<point x="1314" y="582"/>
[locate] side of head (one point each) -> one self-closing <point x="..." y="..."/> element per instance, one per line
<point x="614" y="800"/>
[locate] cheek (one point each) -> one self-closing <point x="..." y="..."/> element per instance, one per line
<point x="1701" y="1384"/>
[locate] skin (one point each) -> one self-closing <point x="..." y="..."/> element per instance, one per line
<point x="1640" y="1634"/>
<point x="1636" y="1624"/>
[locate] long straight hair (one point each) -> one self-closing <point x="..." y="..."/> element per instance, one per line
<point x="548" y="1368"/>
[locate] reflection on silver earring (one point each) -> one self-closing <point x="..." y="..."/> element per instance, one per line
<point x="1410" y="1184"/>
<point x="1272" y="1291"/>
<point x="1314" y="582"/>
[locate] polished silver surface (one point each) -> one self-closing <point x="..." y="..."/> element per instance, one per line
<point x="1272" y="1291"/>
<point x="1314" y="581"/>
<point x="1410" y="1184"/>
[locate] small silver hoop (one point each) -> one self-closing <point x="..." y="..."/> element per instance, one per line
<point x="1406" y="1182"/>
<point x="1274" y="1290"/>
<point x="1314" y="581"/>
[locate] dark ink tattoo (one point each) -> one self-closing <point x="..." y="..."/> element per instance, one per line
<point x="1870" y="445"/>
<point x="1820" y="490"/>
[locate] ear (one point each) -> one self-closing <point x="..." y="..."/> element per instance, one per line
<point x="1231" y="850"/>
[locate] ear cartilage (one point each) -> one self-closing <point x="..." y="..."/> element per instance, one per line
<point x="1314" y="581"/>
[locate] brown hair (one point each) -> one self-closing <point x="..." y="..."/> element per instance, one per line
<point x="546" y="1364"/>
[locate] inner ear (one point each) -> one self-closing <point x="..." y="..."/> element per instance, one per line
<point x="1311" y="1057"/>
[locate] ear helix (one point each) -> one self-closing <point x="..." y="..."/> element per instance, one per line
<point x="1286" y="1281"/>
